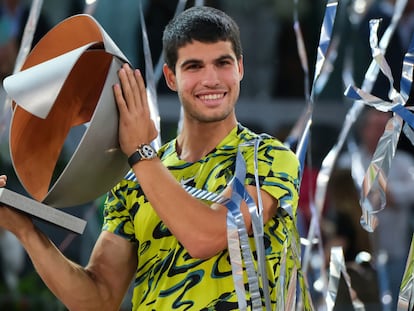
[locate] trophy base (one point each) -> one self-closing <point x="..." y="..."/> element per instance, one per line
<point x="42" y="211"/>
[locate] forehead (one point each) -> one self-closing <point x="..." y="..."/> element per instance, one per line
<point x="205" y="51"/>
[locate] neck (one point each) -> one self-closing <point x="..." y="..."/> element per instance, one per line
<point x="197" y="140"/>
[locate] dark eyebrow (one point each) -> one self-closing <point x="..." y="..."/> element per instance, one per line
<point x="225" y="57"/>
<point x="193" y="61"/>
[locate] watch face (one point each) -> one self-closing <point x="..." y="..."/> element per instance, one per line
<point x="147" y="151"/>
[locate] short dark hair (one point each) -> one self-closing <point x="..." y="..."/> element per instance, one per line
<point x="200" y="23"/>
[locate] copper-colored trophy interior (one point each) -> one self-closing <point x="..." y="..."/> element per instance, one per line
<point x="35" y="143"/>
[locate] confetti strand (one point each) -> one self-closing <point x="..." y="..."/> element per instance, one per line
<point x="238" y="244"/>
<point x="24" y="50"/>
<point x="329" y="161"/>
<point x="150" y="79"/>
<point x="303" y="126"/>
<point x="238" y="194"/>
<point x="353" y="113"/>
<point x="373" y="195"/>
<point x="90" y="6"/>
<point x="406" y="296"/>
<point x="158" y="68"/>
<point x="350" y="118"/>
<point x="300" y="132"/>
<point x="336" y="269"/>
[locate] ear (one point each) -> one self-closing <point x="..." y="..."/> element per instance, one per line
<point x="241" y="68"/>
<point x="169" y="77"/>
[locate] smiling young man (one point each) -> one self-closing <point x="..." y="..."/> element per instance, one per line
<point x="174" y="246"/>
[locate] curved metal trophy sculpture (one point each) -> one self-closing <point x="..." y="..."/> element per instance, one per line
<point x="65" y="82"/>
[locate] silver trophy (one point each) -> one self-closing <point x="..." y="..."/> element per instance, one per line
<point x="65" y="84"/>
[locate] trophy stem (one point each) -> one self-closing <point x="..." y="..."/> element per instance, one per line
<point x="42" y="211"/>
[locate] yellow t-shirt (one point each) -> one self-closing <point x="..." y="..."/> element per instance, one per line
<point x="167" y="277"/>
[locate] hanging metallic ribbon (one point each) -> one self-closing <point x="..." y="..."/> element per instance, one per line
<point x="406" y="295"/>
<point x="150" y="79"/>
<point x="90" y="7"/>
<point x="354" y="112"/>
<point x="256" y="215"/>
<point x="336" y="269"/>
<point x="233" y="244"/>
<point x="24" y="49"/>
<point x="290" y="301"/>
<point x="373" y="196"/>
<point x="233" y="206"/>
<point x="300" y="132"/>
<point x="352" y="115"/>
<point x="371" y="77"/>
<point x="280" y="286"/>
<point x="240" y="193"/>
<point x="350" y="118"/>
<point x="239" y="243"/>
<point x="158" y="68"/>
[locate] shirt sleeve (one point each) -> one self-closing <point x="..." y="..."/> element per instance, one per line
<point x="117" y="214"/>
<point x="278" y="171"/>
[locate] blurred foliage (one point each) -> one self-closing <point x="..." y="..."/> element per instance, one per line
<point x="31" y="294"/>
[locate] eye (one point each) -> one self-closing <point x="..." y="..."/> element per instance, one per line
<point x="192" y="66"/>
<point x="224" y="62"/>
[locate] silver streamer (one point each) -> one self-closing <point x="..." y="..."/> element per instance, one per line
<point x="150" y="78"/>
<point x="353" y="114"/>
<point x="336" y="269"/>
<point x="158" y="68"/>
<point x="291" y="293"/>
<point x="373" y="196"/>
<point x="304" y="123"/>
<point x="350" y="118"/>
<point x="234" y="219"/>
<point x="280" y="286"/>
<point x="256" y="215"/>
<point x="360" y="7"/>
<point x="239" y="244"/>
<point x="233" y="243"/>
<point x="24" y="49"/>
<point x="300" y="131"/>
<point x="237" y="196"/>
<point x="90" y="7"/>
<point x="406" y="296"/>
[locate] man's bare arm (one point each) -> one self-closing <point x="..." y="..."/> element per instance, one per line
<point x="99" y="286"/>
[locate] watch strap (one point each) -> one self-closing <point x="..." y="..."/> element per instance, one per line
<point x="134" y="158"/>
<point x="144" y="152"/>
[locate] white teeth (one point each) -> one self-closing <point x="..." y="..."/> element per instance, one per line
<point x="211" y="96"/>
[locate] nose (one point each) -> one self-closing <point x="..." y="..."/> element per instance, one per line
<point x="210" y="76"/>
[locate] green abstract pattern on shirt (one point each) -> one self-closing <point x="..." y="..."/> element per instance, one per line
<point x="167" y="277"/>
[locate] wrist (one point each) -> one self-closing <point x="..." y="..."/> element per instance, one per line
<point x="143" y="152"/>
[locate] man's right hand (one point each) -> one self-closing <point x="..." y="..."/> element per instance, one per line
<point x="11" y="219"/>
<point x="3" y="179"/>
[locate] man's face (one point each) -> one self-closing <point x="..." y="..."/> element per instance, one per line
<point x="207" y="80"/>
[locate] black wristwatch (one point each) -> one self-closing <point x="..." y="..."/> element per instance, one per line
<point x="144" y="152"/>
